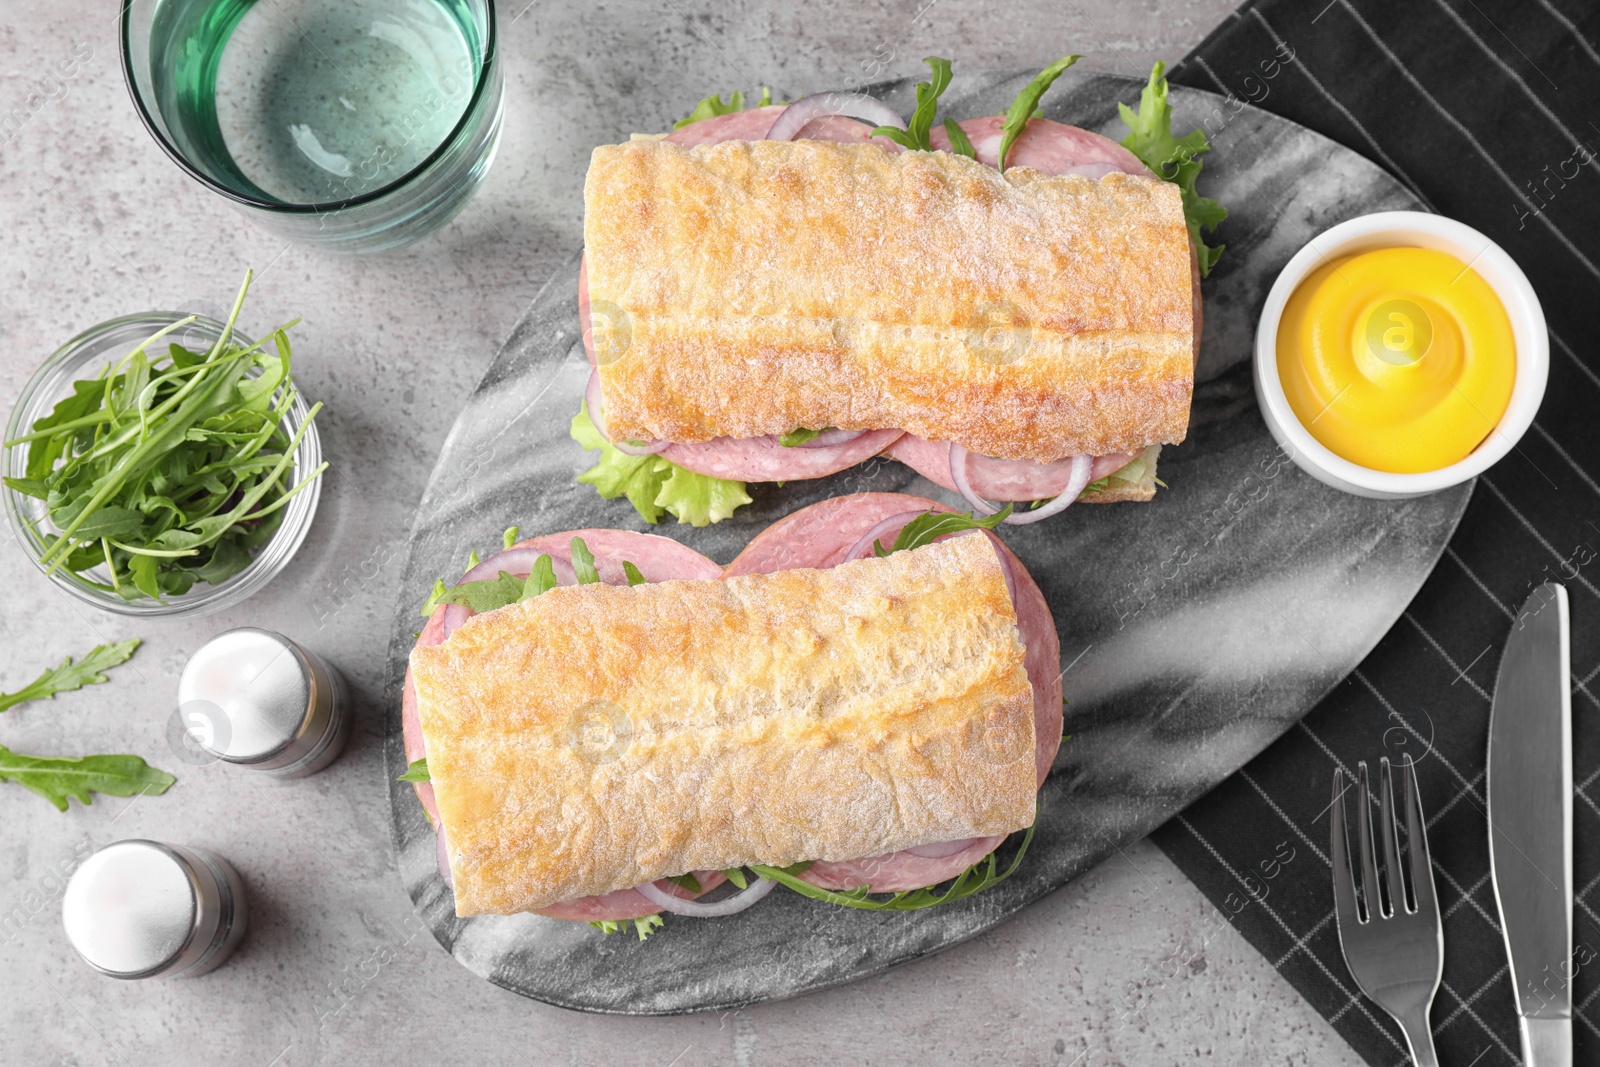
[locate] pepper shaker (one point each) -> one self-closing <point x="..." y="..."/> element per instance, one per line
<point x="255" y="698"/>
<point x="142" y="909"/>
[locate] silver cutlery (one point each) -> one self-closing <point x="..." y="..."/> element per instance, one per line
<point x="1393" y="938"/>
<point x="1530" y="821"/>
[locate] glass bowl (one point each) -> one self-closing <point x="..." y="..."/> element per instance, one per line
<point x="83" y="357"/>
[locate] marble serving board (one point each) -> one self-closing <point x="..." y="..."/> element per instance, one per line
<point x="1194" y="629"/>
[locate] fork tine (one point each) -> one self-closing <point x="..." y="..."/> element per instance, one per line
<point x="1394" y="880"/>
<point x="1417" y="835"/>
<point x="1369" y="858"/>
<point x="1344" y="887"/>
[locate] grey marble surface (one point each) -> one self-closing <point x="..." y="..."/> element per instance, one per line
<point x="1129" y="964"/>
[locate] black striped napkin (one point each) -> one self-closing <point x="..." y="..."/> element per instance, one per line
<point x="1490" y="111"/>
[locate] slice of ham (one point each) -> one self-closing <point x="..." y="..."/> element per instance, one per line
<point x="996" y="479"/>
<point x="659" y="559"/>
<point x="822" y="535"/>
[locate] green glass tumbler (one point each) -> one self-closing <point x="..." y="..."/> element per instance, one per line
<point x="350" y="125"/>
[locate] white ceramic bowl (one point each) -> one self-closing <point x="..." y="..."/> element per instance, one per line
<point x="1414" y="229"/>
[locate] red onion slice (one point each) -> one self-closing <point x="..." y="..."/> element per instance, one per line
<point x="597" y="416"/>
<point x="517" y="561"/>
<point x="727" y="906"/>
<point x="855" y="105"/>
<point x="1082" y="474"/>
<point x="830" y="437"/>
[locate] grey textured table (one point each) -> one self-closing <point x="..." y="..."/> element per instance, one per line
<point x="1127" y="965"/>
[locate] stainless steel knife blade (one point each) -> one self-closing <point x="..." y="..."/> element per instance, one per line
<point x="1530" y="821"/>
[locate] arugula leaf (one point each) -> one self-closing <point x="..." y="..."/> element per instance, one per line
<point x="654" y="485"/>
<point x="959" y="142"/>
<point x="975" y="879"/>
<point x="583" y="563"/>
<point x="644" y="927"/>
<point x="58" y="779"/>
<point x="915" y="136"/>
<point x="541" y="579"/>
<point x="1026" y="104"/>
<point x="712" y="106"/>
<point x="416" y="772"/>
<point x="491" y="594"/>
<point x="509" y="538"/>
<point x="633" y="574"/>
<point x="736" y="875"/>
<point x="69" y="675"/>
<point x="1174" y="158"/>
<point x="798" y="436"/>
<point x="931" y="524"/>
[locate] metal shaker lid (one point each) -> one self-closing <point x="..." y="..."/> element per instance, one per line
<point x="247" y="695"/>
<point x="130" y="909"/>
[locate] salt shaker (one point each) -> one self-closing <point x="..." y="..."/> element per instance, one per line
<point x="143" y="909"/>
<point x="255" y="698"/>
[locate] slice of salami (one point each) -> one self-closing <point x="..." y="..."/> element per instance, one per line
<point x="997" y="479"/>
<point x="821" y="536"/>
<point x="764" y="459"/>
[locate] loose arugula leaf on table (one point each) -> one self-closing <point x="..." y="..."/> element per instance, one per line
<point x="654" y="485"/>
<point x="931" y="524"/>
<point x="798" y="436"/>
<point x="58" y="779"/>
<point x="171" y="469"/>
<point x="1174" y="158"/>
<point x="1026" y="105"/>
<point x="915" y="136"/>
<point x="416" y="772"/>
<point x="975" y="879"/>
<point x="69" y="675"/>
<point x="712" y="106"/>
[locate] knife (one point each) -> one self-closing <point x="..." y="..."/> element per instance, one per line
<point x="1530" y="821"/>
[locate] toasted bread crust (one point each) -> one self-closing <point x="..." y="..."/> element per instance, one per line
<point x="598" y="737"/>
<point x="747" y="288"/>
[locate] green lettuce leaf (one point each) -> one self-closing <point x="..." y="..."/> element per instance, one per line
<point x="69" y="675"/>
<point x="1174" y="158"/>
<point x="58" y="779"/>
<point x="416" y="772"/>
<point x="643" y="927"/>
<point x="1026" y="104"/>
<point x="1136" y="472"/>
<point x="796" y="437"/>
<point x="712" y="106"/>
<point x="654" y="485"/>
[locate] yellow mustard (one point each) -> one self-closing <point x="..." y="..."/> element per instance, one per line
<point x="1399" y="359"/>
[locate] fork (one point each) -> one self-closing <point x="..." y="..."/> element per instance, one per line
<point x="1395" y="950"/>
